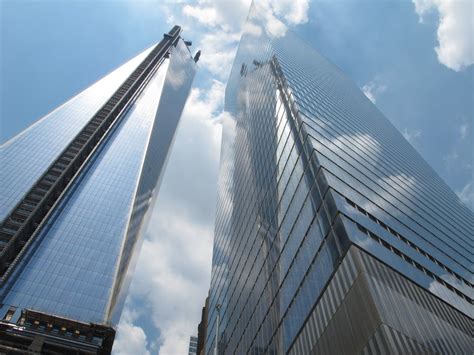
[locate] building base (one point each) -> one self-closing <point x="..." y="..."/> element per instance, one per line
<point x="28" y="332"/>
<point x="368" y="308"/>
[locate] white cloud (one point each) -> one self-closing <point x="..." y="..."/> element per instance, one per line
<point x="373" y="88"/>
<point x="172" y="276"/>
<point x="227" y="15"/>
<point x="295" y="12"/>
<point x="451" y="158"/>
<point x="463" y="130"/>
<point x="252" y="29"/>
<point x="224" y="21"/>
<point x="131" y="340"/>
<point x="368" y="91"/>
<point x="273" y="26"/>
<point x="411" y="135"/>
<point x="218" y="52"/>
<point x="466" y="195"/>
<point x="276" y="15"/>
<point x="219" y="38"/>
<point x="205" y="15"/>
<point x="455" y="30"/>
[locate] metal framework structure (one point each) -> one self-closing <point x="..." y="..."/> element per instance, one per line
<point x="21" y="226"/>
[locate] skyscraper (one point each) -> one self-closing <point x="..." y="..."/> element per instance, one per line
<point x="76" y="189"/>
<point x="333" y="235"/>
<point x="192" y="350"/>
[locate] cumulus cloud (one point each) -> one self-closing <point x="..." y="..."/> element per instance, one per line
<point x="373" y="88"/>
<point x="205" y="15"/>
<point x="252" y="29"/>
<point x="295" y="12"/>
<point x="225" y="20"/>
<point x="273" y="26"/>
<point x="451" y="158"/>
<point x="172" y="276"/>
<point x="466" y="195"/>
<point x="177" y="256"/>
<point x="131" y="339"/>
<point x="455" y="30"/>
<point x="276" y="15"/>
<point x="218" y="52"/>
<point x="411" y="135"/>
<point x="463" y="130"/>
<point x="226" y="15"/>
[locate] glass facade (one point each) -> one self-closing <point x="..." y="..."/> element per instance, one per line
<point x="193" y="341"/>
<point x="310" y="169"/>
<point x="80" y="263"/>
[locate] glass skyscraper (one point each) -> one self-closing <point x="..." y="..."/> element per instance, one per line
<point x="333" y="235"/>
<point x="76" y="190"/>
<point x="192" y="345"/>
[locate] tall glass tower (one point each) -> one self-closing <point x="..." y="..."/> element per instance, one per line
<point x="76" y="188"/>
<point x="333" y="235"/>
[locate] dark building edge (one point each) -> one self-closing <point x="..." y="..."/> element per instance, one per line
<point x="202" y="329"/>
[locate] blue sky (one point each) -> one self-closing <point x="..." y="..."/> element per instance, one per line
<point x="412" y="58"/>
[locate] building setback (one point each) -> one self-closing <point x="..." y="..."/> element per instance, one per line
<point x="333" y="235"/>
<point x="76" y="192"/>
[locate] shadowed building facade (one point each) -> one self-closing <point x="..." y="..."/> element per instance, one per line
<point x="333" y="235"/>
<point x="76" y="191"/>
